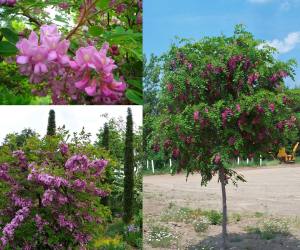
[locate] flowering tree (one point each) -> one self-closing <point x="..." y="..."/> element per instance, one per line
<point x="51" y="195"/>
<point x="97" y="60"/>
<point x="222" y="97"/>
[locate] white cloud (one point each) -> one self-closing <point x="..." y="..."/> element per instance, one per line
<point x="287" y="44"/>
<point x="16" y="118"/>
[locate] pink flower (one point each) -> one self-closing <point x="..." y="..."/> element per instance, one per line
<point x="37" y="59"/>
<point x="63" y="5"/>
<point x="196" y="115"/>
<point x="217" y="159"/>
<point x="231" y="140"/>
<point x="167" y="143"/>
<point x="272" y="107"/>
<point x="139" y="19"/>
<point x="225" y="114"/>
<point x="176" y="153"/>
<point x="252" y="78"/>
<point x="170" y="87"/>
<point x="260" y="109"/>
<point x="238" y="107"/>
<point x="8" y="2"/>
<point x="95" y="75"/>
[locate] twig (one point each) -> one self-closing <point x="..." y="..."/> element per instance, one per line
<point x="82" y="18"/>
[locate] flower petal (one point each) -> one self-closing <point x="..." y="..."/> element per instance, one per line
<point x="22" y="59"/>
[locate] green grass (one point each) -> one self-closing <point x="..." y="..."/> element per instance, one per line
<point x="268" y="229"/>
<point x="160" y="236"/>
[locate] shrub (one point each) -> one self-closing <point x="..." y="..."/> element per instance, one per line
<point x="201" y="225"/>
<point x="55" y="200"/>
<point x="214" y="217"/>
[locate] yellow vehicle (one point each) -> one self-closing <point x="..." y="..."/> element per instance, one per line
<point x="287" y="158"/>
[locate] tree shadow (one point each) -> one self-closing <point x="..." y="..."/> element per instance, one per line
<point x="249" y="241"/>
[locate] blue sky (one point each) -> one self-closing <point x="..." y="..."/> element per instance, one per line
<point x="276" y="21"/>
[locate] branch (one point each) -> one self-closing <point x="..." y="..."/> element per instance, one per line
<point x="82" y="18"/>
<point x="31" y="18"/>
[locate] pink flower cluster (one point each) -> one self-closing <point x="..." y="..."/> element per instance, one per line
<point x="278" y="76"/>
<point x="20" y="155"/>
<point x="225" y="114"/>
<point x="80" y="163"/>
<point x="64" y="148"/>
<point x="20" y="202"/>
<point x="252" y="78"/>
<point x="63" y="222"/>
<point x="8" y="2"/>
<point x="95" y="75"/>
<point x="45" y="59"/>
<point x="40" y="223"/>
<point x="9" y="230"/>
<point x="77" y="163"/>
<point x="288" y="122"/>
<point x="47" y="180"/>
<point x="4" y="173"/>
<point x="50" y="195"/>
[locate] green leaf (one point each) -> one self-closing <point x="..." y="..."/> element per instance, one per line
<point x="136" y="53"/>
<point x="7" y="49"/>
<point x="134" y="96"/>
<point x="136" y="83"/>
<point x="95" y="31"/>
<point x="103" y="4"/>
<point x="10" y="35"/>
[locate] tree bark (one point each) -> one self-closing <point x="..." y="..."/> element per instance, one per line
<point x="224" y="203"/>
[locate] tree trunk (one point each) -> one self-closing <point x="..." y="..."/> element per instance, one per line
<point x="224" y="222"/>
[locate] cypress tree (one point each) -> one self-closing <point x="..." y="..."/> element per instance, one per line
<point x="105" y="137"/>
<point x="128" y="170"/>
<point x="51" y="128"/>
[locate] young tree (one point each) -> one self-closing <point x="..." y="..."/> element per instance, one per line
<point x="105" y="137"/>
<point x="222" y="97"/>
<point x="51" y="128"/>
<point x="128" y="170"/>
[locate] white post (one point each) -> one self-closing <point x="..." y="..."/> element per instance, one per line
<point x="260" y="160"/>
<point x="238" y="160"/>
<point x="247" y="161"/>
<point x="171" y="166"/>
<point x="147" y="164"/>
<point x="152" y="166"/>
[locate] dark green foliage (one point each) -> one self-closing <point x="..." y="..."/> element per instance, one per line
<point x="128" y="170"/>
<point x="14" y="88"/>
<point x="105" y="137"/>
<point x="51" y="123"/>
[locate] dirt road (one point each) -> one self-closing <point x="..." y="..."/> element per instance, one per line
<point x="272" y="190"/>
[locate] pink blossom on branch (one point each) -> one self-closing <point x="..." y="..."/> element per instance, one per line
<point x="95" y="74"/>
<point x="8" y="2"/>
<point x="45" y="57"/>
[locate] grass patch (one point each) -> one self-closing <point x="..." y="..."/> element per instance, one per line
<point x="201" y="225"/>
<point x="188" y="215"/>
<point x="268" y="229"/>
<point x="160" y="236"/>
<point x="214" y="217"/>
<point x="258" y="214"/>
<point x="236" y="217"/>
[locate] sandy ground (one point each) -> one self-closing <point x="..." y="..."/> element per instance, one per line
<point x="274" y="191"/>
